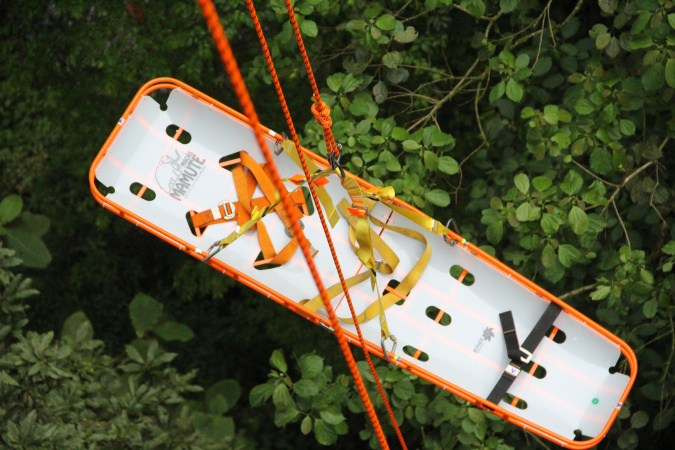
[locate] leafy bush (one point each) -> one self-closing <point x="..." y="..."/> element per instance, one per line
<point x="65" y="392"/>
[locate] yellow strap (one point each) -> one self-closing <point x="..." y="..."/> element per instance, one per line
<point x="420" y="219"/>
<point x="406" y="284"/>
<point x="317" y="303"/>
<point x="324" y="197"/>
<point x="383" y="301"/>
<point x="389" y="258"/>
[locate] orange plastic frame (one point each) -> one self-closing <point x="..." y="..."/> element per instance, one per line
<point x="170" y="83"/>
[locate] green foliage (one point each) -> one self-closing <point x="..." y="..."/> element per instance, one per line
<point x="65" y="392"/>
<point x="543" y="127"/>
<point x="23" y="232"/>
<point x="315" y="400"/>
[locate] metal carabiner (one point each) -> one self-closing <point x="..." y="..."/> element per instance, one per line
<point x="452" y="222"/>
<point x="211" y="252"/>
<point x="393" y="349"/>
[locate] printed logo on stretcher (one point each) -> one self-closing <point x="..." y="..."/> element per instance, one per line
<point x="161" y="165"/>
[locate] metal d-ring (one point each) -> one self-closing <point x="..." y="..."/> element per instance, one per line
<point x="393" y="349"/>
<point x="452" y="222"/>
<point x="288" y="230"/>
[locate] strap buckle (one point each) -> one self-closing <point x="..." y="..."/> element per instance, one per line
<point x="512" y="370"/>
<point x="288" y="230"/>
<point x="384" y="350"/>
<point x="228" y="215"/>
<point x="528" y="355"/>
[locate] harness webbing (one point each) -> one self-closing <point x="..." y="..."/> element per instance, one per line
<point x="232" y="69"/>
<point x="332" y="149"/>
<point x="520" y="355"/>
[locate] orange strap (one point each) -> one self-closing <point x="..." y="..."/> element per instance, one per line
<point x="226" y="55"/>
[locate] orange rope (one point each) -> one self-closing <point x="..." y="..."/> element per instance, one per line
<point x="232" y="69"/>
<point x="320" y="110"/>
<point x="294" y="136"/>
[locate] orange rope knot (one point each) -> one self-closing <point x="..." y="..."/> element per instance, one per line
<point x="322" y="113"/>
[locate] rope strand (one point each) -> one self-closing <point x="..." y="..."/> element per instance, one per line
<point x="320" y="111"/>
<point x="232" y="69"/>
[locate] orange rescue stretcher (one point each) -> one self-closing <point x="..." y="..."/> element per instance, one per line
<point x="189" y="171"/>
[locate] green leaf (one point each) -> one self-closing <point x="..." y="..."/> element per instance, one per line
<point x="600" y="293"/>
<point x="386" y="22"/>
<point x="33" y="223"/>
<point x="522" y="183"/>
<point x="584" y="106"/>
<point x="404" y="389"/>
<point x="522" y="61"/>
<point x="325" y="433"/>
<point x="650" y="308"/>
<point x="306" y="425"/>
<point x="335" y="81"/>
<point x="527" y="212"/>
<point x="282" y="417"/>
<point x="410" y="146"/>
<point x="497" y="92"/>
<point x="448" y="164"/>
<point x="260" y="394"/>
<point x="602" y="41"/>
<point x="578" y="219"/>
<point x="628" y="440"/>
<point x="548" y="256"/>
<point x="6" y="379"/>
<point x="309" y="28"/>
<point x="568" y="255"/>
<point x="430" y="160"/>
<point x="475" y="7"/>
<point x="508" y="5"/>
<point x="476" y="416"/>
<point x="174" y="331"/>
<point x="562" y="139"/>
<point x="278" y="361"/>
<point x="440" y="139"/>
<point x="572" y="183"/>
<point x="541" y="183"/>
<point x="669" y="248"/>
<point x="10" y="208"/>
<point x="227" y="390"/>
<point x="393" y="165"/>
<point x="438" y="197"/>
<point x="29" y="247"/>
<point x="380" y="92"/>
<point x="391" y="59"/>
<point x="549" y="223"/>
<point x="145" y="312"/>
<point x="601" y="161"/>
<point x="77" y="328"/>
<point x="400" y="134"/>
<point x="654" y="77"/>
<point x="281" y="397"/>
<point x="670" y="67"/>
<point x="310" y="365"/>
<point x="407" y="35"/>
<point x="217" y="405"/>
<point x="514" y="90"/>
<point x="305" y="388"/>
<point x="495" y="230"/>
<point x="627" y="127"/>
<point x="332" y="417"/>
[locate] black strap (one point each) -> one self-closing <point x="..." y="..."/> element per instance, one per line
<point x="510" y="335"/>
<point x="522" y="353"/>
